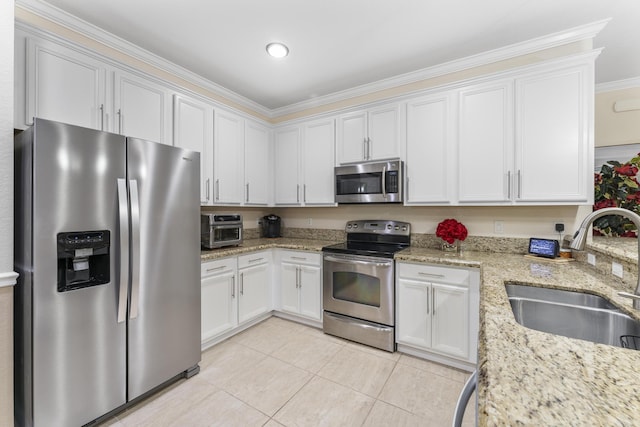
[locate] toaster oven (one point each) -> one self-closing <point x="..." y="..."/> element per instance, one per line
<point x="218" y="230"/>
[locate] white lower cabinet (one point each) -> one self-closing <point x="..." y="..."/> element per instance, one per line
<point x="235" y="291"/>
<point x="437" y="312"/>
<point x="301" y="283"/>
<point x="218" y="298"/>
<point x="254" y="293"/>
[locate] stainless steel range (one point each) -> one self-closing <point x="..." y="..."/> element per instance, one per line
<point x="359" y="282"/>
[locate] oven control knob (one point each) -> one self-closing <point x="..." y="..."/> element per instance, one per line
<point x="404" y="228"/>
<point x="397" y="227"/>
<point x="355" y="225"/>
<point x="348" y="225"/>
<point x="389" y="226"/>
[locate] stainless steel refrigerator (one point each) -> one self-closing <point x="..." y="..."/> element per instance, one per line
<point x="107" y="248"/>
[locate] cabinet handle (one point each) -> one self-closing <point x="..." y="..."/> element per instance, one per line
<point x="300" y="258"/>
<point x="428" y="302"/>
<point x="364" y="148"/>
<point x="215" y="269"/>
<point x="101" y="116"/>
<point x="233" y="286"/>
<point x="119" y="113"/>
<point x="247" y="192"/>
<point x="207" y="186"/>
<point x="433" y="301"/>
<point x="298" y="193"/>
<point x="508" y="184"/>
<point x="255" y="260"/>
<point x="241" y="283"/>
<point x="298" y="277"/>
<point x="368" y="148"/>
<point x="519" y="183"/>
<point x="304" y="193"/>
<point x="439" y="276"/>
<point x="217" y="189"/>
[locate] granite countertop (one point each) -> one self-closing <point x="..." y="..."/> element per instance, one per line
<point x="252" y="245"/>
<point x="527" y="377"/>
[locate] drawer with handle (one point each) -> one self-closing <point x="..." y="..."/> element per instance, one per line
<point x="301" y="257"/>
<point x="432" y="273"/>
<point x="218" y="266"/>
<point x="255" y="258"/>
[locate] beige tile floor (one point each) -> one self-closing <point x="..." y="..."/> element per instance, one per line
<point x="280" y="373"/>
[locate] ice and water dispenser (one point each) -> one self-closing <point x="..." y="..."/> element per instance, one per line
<point x="83" y="259"/>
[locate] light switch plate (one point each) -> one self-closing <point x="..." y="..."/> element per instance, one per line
<point x="591" y="259"/>
<point x="616" y="269"/>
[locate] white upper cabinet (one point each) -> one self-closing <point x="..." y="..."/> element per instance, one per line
<point x="553" y="136"/>
<point x="429" y="167"/>
<point x="318" y="152"/>
<point x="142" y="108"/>
<point x="193" y="130"/>
<point x="485" y="143"/>
<point x="373" y="134"/>
<point x="286" y="169"/>
<point x="65" y="85"/>
<point x="228" y="158"/>
<point x="257" y="161"/>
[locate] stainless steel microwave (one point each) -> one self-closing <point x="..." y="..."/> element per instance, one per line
<point x="373" y="182"/>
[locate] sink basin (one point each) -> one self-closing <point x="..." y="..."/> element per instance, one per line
<point x="571" y="314"/>
<point x="558" y="296"/>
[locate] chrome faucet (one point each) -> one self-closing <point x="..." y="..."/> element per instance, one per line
<point x="580" y="239"/>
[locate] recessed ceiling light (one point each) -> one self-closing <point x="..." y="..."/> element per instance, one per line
<point x="277" y="50"/>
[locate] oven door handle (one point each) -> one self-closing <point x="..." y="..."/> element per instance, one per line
<point x="355" y="261"/>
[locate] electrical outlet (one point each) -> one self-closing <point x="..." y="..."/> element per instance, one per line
<point x="559" y="227"/>
<point x="498" y="227"/>
<point x="309" y="221"/>
<point x="616" y="269"/>
<point x="591" y="259"/>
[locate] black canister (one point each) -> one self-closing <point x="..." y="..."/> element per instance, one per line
<point x="271" y="226"/>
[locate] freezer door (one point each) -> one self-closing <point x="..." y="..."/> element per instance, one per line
<point x="78" y="352"/>
<point x="164" y="312"/>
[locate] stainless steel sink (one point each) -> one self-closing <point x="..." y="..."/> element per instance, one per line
<point x="570" y="314"/>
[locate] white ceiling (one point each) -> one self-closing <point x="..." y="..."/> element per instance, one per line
<point x="340" y="44"/>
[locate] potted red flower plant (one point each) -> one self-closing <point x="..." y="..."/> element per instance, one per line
<point x="452" y="232"/>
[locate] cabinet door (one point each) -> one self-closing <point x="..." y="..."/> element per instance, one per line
<point x="351" y="137"/>
<point x="256" y="164"/>
<point x="289" y="288"/>
<point x="429" y="162"/>
<point x="65" y="85"/>
<point x="287" y="155"/>
<point x="413" y="313"/>
<point x="384" y="132"/>
<point x="310" y="288"/>
<point x="218" y="304"/>
<point x="142" y="108"/>
<point x="450" y="313"/>
<point x="228" y="158"/>
<point x="254" y="292"/>
<point x="319" y="160"/>
<point x="552" y="138"/>
<point x="485" y="141"/>
<point x="193" y="130"/>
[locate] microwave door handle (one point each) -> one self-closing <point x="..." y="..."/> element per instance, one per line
<point x="384" y="182"/>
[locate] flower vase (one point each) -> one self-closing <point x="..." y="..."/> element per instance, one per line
<point x="451" y="247"/>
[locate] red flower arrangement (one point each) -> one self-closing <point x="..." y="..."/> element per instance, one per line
<point x="449" y="230"/>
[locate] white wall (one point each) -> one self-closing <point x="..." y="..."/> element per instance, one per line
<point x="6" y="212"/>
<point x="616" y="128"/>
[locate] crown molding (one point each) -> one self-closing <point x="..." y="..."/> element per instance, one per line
<point x="60" y="17"/>
<point x="8" y="279"/>
<point x="73" y="23"/>
<point x="583" y="32"/>
<point x="618" y="85"/>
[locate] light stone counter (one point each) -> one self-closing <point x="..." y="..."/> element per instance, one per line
<point x="252" y="245"/>
<point x="527" y="377"/>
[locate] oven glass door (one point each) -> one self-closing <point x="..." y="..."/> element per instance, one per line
<point x="359" y="286"/>
<point x="226" y="233"/>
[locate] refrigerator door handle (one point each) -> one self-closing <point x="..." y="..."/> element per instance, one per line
<point x="135" y="248"/>
<point x="123" y="216"/>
